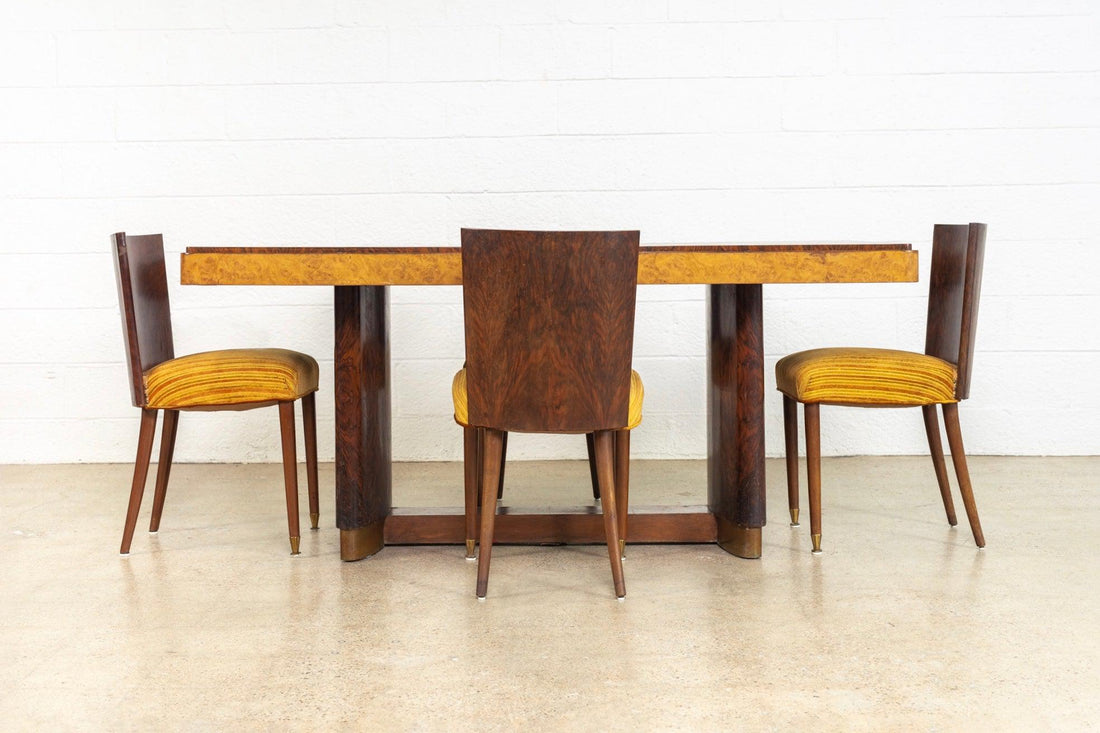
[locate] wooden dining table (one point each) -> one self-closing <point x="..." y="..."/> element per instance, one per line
<point x="734" y="275"/>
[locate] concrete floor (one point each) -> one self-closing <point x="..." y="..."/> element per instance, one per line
<point x="900" y="624"/>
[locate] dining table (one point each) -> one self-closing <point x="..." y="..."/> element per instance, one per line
<point x="734" y="276"/>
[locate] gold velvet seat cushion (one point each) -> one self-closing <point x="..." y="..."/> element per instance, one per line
<point x="857" y="376"/>
<point x="462" y="411"/>
<point x="230" y="377"/>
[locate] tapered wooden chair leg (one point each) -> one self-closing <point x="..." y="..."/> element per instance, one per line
<point x="164" y="465"/>
<point x="589" y="440"/>
<point x="492" y="449"/>
<point x="958" y="457"/>
<point x="605" y="470"/>
<point x="790" y="436"/>
<point x="935" y="446"/>
<point x="622" y="484"/>
<point x="141" y="471"/>
<point x="470" y="486"/>
<point x="309" y="426"/>
<point x="813" y="469"/>
<point x="480" y="450"/>
<point x="290" y="473"/>
<point x="503" y="458"/>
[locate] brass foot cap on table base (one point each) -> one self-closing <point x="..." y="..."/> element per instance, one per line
<point x="737" y="540"/>
<point x="294" y="541"/>
<point x="355" y="544"/>
<point x="314" y="519"/>
<point x="470" y="544"/>
<point x="794" y="517"/>
<point x="817" y="543"/>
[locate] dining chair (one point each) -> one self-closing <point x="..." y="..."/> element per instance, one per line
<point x="549" y="333"/>
<point x="232" y="379"/>
<point x="864" y="377"/>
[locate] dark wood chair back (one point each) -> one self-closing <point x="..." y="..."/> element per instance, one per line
<point x="549" y="328"/>
<point x="955" y="286"/>
<point x="143" y="300"/>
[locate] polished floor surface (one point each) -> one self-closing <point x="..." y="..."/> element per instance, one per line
<point x="901" y="624"/>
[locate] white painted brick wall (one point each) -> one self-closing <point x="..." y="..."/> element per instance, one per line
<point x="397" y="122"/>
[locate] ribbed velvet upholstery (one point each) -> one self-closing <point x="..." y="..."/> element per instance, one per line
<point x="634" y="415"/>
<point x="859" y="376"/>
<point x="232" y="376"/>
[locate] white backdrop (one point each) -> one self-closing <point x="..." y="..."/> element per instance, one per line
<point x="326" y="122"/>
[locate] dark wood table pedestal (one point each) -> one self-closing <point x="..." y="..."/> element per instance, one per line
<point x="735" y="511"/>
<point x="364" y="476"/>
<point x="735" y="416"/>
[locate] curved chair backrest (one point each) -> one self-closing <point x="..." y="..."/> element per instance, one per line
<point x="143" y="300"/>
<point x="549" y="328"/>
<point x="954" y="289"/>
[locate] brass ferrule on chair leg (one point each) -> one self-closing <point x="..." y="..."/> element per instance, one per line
<point x="294" y="541"/>
<point x="794" y="517"/>
<point x="313" y="520"/>
<point x="470" y="544"/>
<point x="817" y="542"/>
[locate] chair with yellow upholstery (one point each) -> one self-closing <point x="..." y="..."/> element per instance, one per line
<point x="233" y="379"/>
<point x="863" y="377"/>
<point x="549" y="334"/>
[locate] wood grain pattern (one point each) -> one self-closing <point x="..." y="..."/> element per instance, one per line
<point x="322" y="266"/>
<point x="735" y="409"/>
<point x="549" y="322"/>
<point x="141" y="472"/>
<point x="559" y="526"/>
<point x="962" y="473"/>
<point x="790" y="443"/>
<point x="622" y="479"/>
<point x="471" y="471"/>
<point x="143" y="300"/>
<point x="750" y="406"/>
<point x="309" y="429"/>
<point x="793" y="264"/>
<point x="363" y="465"/>
<point x="590" y="443"/>
<point x="490" y="480"/>
<point x="164" y="466"/>
<point x="812" y="413"/>
<point x="954" y="289"/>
<point x="605" y="472"/>
<point x="672" y="264"/>
<point x="290" y="473"/>
<point x="975" y="259"/>
<point x="935" y="447"/>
